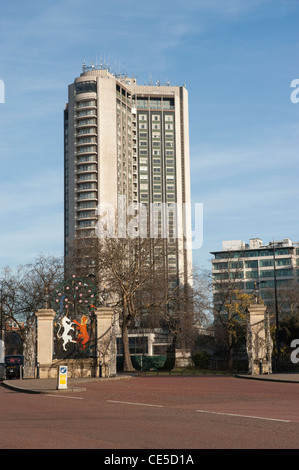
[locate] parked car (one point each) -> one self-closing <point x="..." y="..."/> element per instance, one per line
<point x="14" y="366"/>
<point x="2" y="371"/>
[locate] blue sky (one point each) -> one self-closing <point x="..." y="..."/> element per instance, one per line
<point x="237" y="60"/>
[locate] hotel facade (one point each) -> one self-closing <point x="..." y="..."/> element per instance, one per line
<point x="127" y="146"/>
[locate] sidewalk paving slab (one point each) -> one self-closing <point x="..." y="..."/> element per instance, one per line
<point x="77" y="384"/>
<point x="276" y="377"/>
<point x="51" y="385"/>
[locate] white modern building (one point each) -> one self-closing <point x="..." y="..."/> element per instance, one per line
<point x="127" y="144"/>
<point x="255" y="265"/>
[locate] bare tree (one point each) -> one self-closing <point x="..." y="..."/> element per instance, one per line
<point x="24" y="290"/>
<point x="288" y="311"/>
<point x="134" y="273"/>
<point x="230" y="306"/>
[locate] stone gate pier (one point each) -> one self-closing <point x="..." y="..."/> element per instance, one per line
<point x="259" y="342"/>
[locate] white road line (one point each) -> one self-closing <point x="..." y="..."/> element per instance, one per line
<point x="203" y="411"/>
<point x="63" y="396"/>
<point x="132" y="403"/>
<point x="244" y="416"/>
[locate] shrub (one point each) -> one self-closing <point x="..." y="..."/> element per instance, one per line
<point x="201" y="359"/>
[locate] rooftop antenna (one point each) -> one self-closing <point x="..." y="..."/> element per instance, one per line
<point x="101" y="61"/>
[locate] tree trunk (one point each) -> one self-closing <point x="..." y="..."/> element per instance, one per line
<point x="230" y="352"/>
<point x="29" y="352"/>
<point x="128" y="366"/>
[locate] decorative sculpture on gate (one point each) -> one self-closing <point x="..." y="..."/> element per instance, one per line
<point x="74" y="325"/>
<point x="83" y="337"/>
<point x="66" y="325"/>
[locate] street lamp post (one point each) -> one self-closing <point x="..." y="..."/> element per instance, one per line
<point x="101" y="299"/>
<point x="104" y="294"/>
<point x="257" y="291"/>
<point x="2" y="325"/>
<point x="276" y="313"/>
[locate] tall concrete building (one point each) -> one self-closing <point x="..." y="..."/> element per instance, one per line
<point x="127" y="144"/>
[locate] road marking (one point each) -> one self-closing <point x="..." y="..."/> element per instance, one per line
<point x="243" y="416"/>
<point x="63" y="396"/>
<point x="203" y="411"/>
<point x="133" y="403"/>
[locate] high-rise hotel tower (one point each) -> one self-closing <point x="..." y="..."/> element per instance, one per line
<point x="123" y="144"/>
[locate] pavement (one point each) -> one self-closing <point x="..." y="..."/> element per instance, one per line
<point x="291" y="377"/>
<point x="28" y="385"/>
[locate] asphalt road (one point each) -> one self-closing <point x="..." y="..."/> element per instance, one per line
<point x="161" y="412"/>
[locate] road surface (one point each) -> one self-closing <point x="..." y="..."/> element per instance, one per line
<point x="162" y="412"/>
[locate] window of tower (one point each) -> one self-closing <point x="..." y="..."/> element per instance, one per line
<point x="85" y="87"/>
